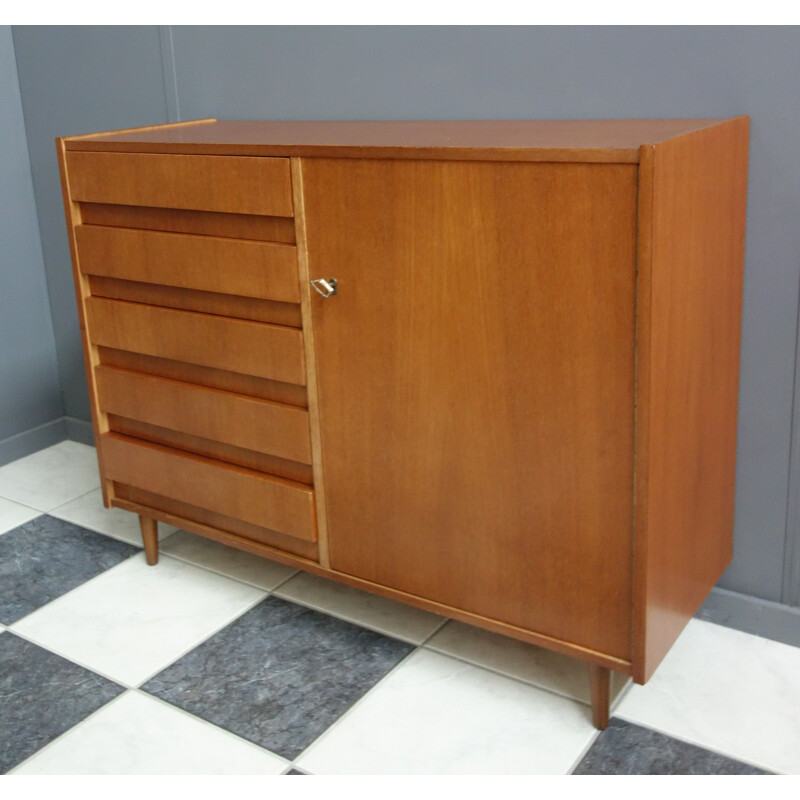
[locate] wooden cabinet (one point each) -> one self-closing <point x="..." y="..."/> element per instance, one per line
<point x="518" y="408"/>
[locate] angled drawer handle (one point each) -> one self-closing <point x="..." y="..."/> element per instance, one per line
<point x="326" y="288"/>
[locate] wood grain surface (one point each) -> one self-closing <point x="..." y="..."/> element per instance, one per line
<point x="91" y="355"/>
<point x="691" y="255"/>
<point x="252" y="348"/>
<point x="235" y="185"/>
<point x="179" y="220"/>
<point x="227" y="530"/>
<point x="253" y="497"/>
<point x="210" y="264"/>
<point x="223" y="305"/>
<point x="306" y="293"/>
<point x="475" y="377"/>
<point x="209" y="448"/>
<point x="274" y="428"/>
<point x="206" y="376"/>
<point x="607" y="140"/>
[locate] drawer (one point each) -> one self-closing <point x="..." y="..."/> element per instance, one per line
<point x="263" y="500"/>
<point x="234" y="184"/>
<point x="227" y="266"/>
<point x="251" y="348"/>
<point x="206" y="518"/>
<point x="268" y="427"/>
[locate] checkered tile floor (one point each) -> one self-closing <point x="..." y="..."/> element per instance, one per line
<point x="215" y="661"/>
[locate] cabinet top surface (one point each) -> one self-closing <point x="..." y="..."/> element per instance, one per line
<point x="527" y="140"/>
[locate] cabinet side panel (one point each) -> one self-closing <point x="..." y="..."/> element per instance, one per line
<point x="692" y="219"/>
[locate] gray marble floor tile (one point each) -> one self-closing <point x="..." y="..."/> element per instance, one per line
<point x="627" y="749"/>
<point x="279" y="675"/>
<point x="41" y="696"/>
<point x="47" y="557"/>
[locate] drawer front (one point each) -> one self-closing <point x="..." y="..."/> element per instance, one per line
<point x="251" y="348"/>
<point x="262" y="500"/>
<point x="234" y="184"/>
<point x="247" y="422"/>
<point x="227" y="266"/>
<point x="206" y="518"/>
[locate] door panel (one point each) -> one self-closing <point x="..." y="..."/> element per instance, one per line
<point x="475" y="375"/>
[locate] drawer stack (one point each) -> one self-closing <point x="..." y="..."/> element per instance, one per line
<point x="192" y="307"/>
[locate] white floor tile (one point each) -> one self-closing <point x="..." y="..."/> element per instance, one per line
<point x="133" y="620"/>
<point x="51" y="477"/>
<point x="728" y="691"/>
<point x="526" y="662"/>
<point x="227" y="560"/>
<point x="89" y="512"/>
<point x="137" y="735"/>
<point x="13" y="515"/>
<point x="434" y="714"/>
<point x="386" y="616"/>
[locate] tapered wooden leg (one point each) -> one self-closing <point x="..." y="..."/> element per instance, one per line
<point x="600" y="682"/>
<point x="149" y="528"/>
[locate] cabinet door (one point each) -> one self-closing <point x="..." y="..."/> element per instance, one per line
<point x="475" y="375"/>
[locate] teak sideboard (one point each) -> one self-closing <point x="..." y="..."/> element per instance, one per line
<point x="489" y="369"/>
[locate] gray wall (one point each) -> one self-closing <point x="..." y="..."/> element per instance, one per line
<point x="30" y="396"/>
<point x="78" y="79"/>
